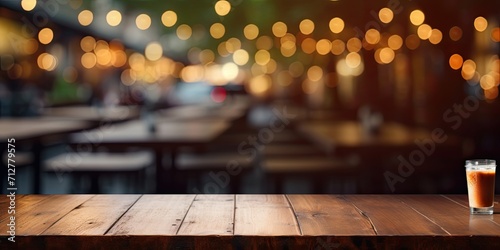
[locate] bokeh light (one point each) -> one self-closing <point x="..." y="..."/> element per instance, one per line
<point x="480" y="23"/>
<point x="251" y="31"/>
<point x="417" y="17"/>
<point x="385" y="15"/>
<point x="169" y="18"/>
<point x="336" y="25"/>
<point x="85" y="17"/>
<point x="45" y="36"/>
<point x="306" y="26"/>
<point x="456" y="61"/>
<point x="143" y="22"/>
<point x="114" y="18"/>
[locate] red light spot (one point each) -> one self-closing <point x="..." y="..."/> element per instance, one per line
<point x="218" y="94"/>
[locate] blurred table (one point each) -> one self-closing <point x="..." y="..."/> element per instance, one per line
<point x="33" y="131"/>
<point x="94" y="114"/>
<point x="249" y="222"/>
<point x="168" y="135"/>
<point x="375" y="147"/>
<point x="199" y="112"/>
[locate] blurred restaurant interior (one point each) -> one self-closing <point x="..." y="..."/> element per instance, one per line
<point x="247" y="96"/>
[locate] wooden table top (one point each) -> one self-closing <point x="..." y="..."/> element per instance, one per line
<point x="251" y="221"/>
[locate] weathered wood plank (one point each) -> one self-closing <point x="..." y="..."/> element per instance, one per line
<point x="55" y="242"/>
<point x="328" y="215"/>
<point x="209" y="215"/>
<point x="36" y="213"/>
<point x="5" y="206"/>
<point x="452" y="217"/>
<point x="154" y="215"/>
<point x="390" y="216"/>
<point x="264" y="215"/>
<point x="94" y="217"/>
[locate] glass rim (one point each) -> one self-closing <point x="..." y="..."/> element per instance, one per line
<point x="480" y="163"/>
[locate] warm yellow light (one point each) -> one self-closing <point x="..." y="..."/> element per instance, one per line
<point x="306" y="26"/>
<point x="30" y="46"/>
<point x="386" y="55"/>
<point x="412" y="42"/>
<point x="315" y="73"/>
<point x="323" y="46"/>
<point x="456" y="61"/>
<point x="101" y="45"/>
<point x="217" y="30"/>
<point x="491" y="94"/>
<point x="372" y="36"/>
<point x="336" y="25"/>
<point x="495" y="34"/>
<point x="89" y="60"/>
<point x="251" y="31"/>
<point x="395" y="42"/>
<point x="169" y="18"/>
<point x="45" y="36"/>
<point x="240" y="57"/>
<point x="436" y="36"/>
<point x="230" y="71"/>
<point x="417" y="17"/>
<point x="85" y="17"/>
<point x="47" y="62"/>
<point x="262" y="57"/>
<point x="424" y="31"/>
<point x="480" y="23"/>
<point x="114" y="18"/>
<point x="455" y="33"/>
<point x="233" y="44"/>
<point x="222" y="49"/>
<point x="222" y="7"/>
<point x="338" y="47"/>
<point x="184" y="32"/>
<point x="28" y="5"/>
<point x="154" y="51"/>
<point x="259" y="85"/>
<point x="279" y="29"/>
<point x="468" y="69"/>
<point x="192" y="73"/>
<point x="354" y="44"/>
<point x="308" y="45"/>
<point x="118" y="58"/>
<point x="353" y="60"/>
<point x="206" y="56"/>
<point x="264" y="42"/>
<point x="143" y="22"/>
<point x="137" y="61"/>
<point x="288" y="41"/>
<point x="487" y="82"/>
<point x="103" y="57"/>
<point x="386" y="15"/>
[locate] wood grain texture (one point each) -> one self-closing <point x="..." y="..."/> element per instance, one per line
<point x="452" y="217"/>
<point x="390" y="216"/>
<point x="38" y="212"/>
<point x="328" y="215"/>
<point x="4" y="208"/>
<point x="209" y="215"/>
<point x="264" y="215"/>
<point x="94" y="217"/>
<point x="154" y="215"/>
